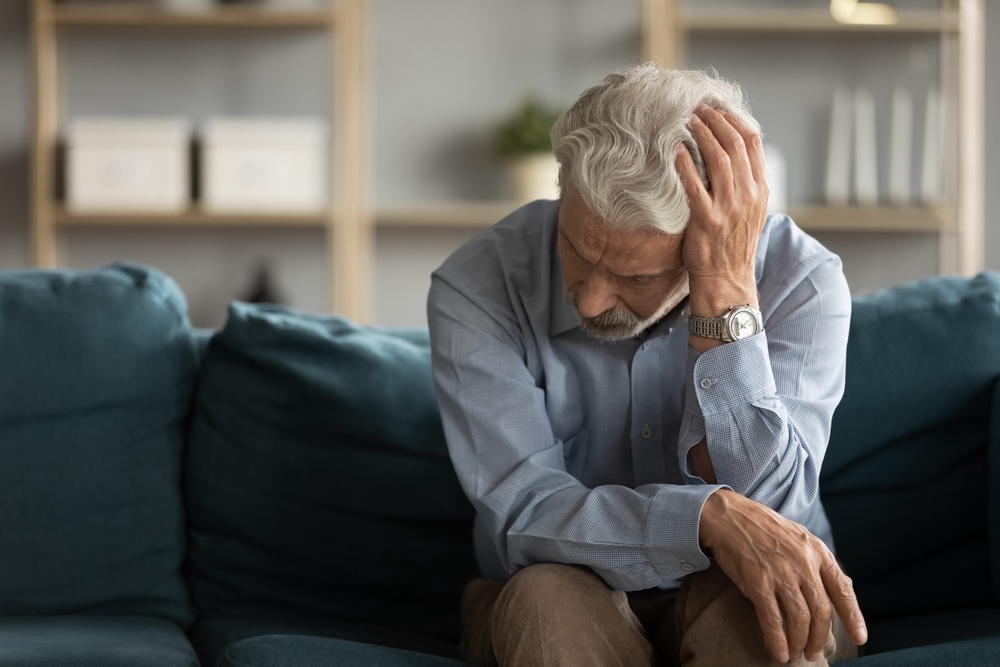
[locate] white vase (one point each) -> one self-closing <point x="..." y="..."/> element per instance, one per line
<point x="534" y="176"/>
<point x="187" y="5"/>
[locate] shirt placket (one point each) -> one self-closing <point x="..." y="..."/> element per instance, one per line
<point x="647" y="408"/>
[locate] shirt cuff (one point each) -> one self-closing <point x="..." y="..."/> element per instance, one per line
<point x="729" y="375"/>
<point x="672" y="529"/>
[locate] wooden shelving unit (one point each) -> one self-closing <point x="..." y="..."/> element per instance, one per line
<point x="666" y="25"/>
<point x="345" y="221"/>
<point x="810" y="20"/>
<point x="476" y="215"/>
<point x="900" y="219"/>
<point x="457" y="214"/>
<point x="193" y="217"/>
<point x="140" y="16"/>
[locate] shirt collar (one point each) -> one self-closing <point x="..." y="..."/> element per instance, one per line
<point x="562" y="316"/>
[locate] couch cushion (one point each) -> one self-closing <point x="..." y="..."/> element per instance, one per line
<point x="936" y="628"/>
<point x="212" y="635"/>
<point x="98" y="369"/>
<point x="994" y="509"/>
<point x="294" y="651"/>
<point x="976" y="653"/>
<point x="905" y="480"/>
<point x="93" y="641"/>
<point x="317" y="477"/>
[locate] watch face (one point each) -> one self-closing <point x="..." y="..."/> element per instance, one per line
<point x="742" y="325"/>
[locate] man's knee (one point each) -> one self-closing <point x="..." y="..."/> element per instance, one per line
<point x="565" y="615"/>
<point x="548" y="590"/>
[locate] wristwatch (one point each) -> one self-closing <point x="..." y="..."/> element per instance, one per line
<point x="738" y="323"/>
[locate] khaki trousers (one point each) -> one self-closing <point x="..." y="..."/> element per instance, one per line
<point x="551" y="614"/>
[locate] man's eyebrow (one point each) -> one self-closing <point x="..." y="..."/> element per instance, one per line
<point x="639" y="275"/>
<point x="572" y="247"/>
<point x="631" y="276"/>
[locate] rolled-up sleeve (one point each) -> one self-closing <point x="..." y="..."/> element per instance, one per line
<point x="764" y="404"/>
<point x="512" y="466"/>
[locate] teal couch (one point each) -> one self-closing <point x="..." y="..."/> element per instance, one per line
<point x="279" y="493"/>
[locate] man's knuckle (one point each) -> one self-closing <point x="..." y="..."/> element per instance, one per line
<point x="754" y="592"/>
<point x="801" y="617"/>
<point x="773" y="617"/>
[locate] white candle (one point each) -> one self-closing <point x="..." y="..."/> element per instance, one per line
<point x="930" y="177"/>
<point x="777" y="179"/>
<point x="865" y="160"/>
<point x="899" y="153"/>
<point x="838" y="157"/>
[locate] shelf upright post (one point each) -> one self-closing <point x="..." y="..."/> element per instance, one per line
<point x="349" y="230"/>
<point x="45" y="134"/>
<point x="971" y="137"/>
<point x="662" y="38"/>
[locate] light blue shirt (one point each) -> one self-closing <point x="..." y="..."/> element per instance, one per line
<point x="575" y="451"/>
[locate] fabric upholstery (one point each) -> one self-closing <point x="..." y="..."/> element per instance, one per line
<point x="295" y="651"/>
<point x="93" y="641"/>
<point x="905" y="479"/>
<point x="98" y="369"/>
<point x="317" y="477"/>
<point x="994" y="509"/>
<point x="942" y="627"/>
<point x="979" y="653"/>
<point x="212" y="635"/>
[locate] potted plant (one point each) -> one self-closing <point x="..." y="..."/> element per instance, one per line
<point x="522" y="141"/>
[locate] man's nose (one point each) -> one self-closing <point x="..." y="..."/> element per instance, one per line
<point x="596" y="295"/>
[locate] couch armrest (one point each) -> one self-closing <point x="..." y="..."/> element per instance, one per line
<point x="994" y="489"/>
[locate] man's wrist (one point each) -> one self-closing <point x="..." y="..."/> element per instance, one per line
<point x="713" y="296"/>
<point x="715" y="507"/>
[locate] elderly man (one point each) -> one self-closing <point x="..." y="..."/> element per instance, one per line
<point x="637" y="383"/>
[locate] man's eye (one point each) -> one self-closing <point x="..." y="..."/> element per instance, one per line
<point x="572" y="248"/>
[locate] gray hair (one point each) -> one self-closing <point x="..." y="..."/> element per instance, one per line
<point x="617" y="145"/>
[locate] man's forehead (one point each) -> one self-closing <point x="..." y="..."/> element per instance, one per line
<point x="624" y="252"/>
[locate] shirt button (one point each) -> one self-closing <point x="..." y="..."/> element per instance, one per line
<point x="645" y="345"/>
<point x="687" y="567"/>
<point x="707" y="384"/>
<point x="646" y="431"/>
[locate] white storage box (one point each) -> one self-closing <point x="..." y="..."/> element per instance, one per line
<point x="257" y="165"/>
<point x="120" y="164"/>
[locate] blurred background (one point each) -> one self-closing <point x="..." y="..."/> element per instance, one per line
<point x="405" y="116"/>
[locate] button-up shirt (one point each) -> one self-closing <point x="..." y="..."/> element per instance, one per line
<point x="576" y="451"/>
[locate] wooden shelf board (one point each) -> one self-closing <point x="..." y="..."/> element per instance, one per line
<point x="814" y="218"/>
<point x="872" y="219"/>
<point x="191" y="218"/>
<point x="467" y="214"/>
<point x="143" y="16"/>
<point x="810" y="20"/>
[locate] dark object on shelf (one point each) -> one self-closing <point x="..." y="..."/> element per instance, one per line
<point x="262" y="289"/>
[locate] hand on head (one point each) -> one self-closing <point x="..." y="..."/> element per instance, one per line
<point x="720" y="242"/>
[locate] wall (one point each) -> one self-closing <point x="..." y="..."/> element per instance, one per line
<point x="992" y="135"/>
<point x="14" y="133"/>
<point x="442" y="72"/>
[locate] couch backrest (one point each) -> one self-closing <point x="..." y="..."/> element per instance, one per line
<point x="906" y="479"/>
<point x="96" y="375"/>
<point x="317" y="476"/>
